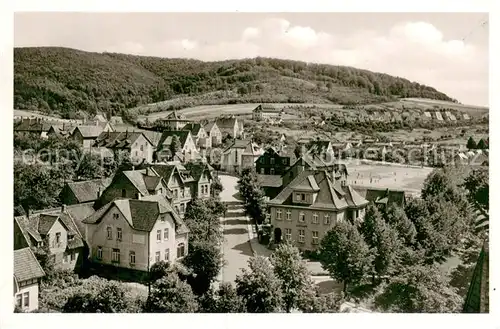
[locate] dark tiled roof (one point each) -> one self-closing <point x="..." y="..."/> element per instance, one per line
<point x="168" y="135"/>
<point x="209" y="126"/>
<point x="19" y="211"/>
<point x="164" y="170"/>
<point x="194" y="128"/>
<point x="29" y="228"/>
<point x="174" y="116"/>
<point x="26" y="267"/>
<point x="353" y="198"/>
<point x="33" y="125"/>
<point x="89" y="131"/>
<point x="196" y="169"/>
<point x="327" y="198"/>
<point x="86" y="191"/>
<point x="118" y="139"/>
<point x="152" y="182"/>
<point x="270" y="180"/>
<point x="153" y="136"/>
<point x="45" y="223"/>
<point x="226" y="123"/>
<point x="382" y="196"/>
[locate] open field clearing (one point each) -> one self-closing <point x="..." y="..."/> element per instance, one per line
<point x="431" y="103"/>
<point x="390" y="176"/>
<point x="23" y="113"/>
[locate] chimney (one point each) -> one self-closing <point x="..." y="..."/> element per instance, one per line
<point x="139" y="196"/>
<point x="63" y="208"/>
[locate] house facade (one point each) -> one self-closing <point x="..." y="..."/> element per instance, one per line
<point x="33" y="127"/>
<point x="136" y="144"/>
<point x="274" y="161"/>
<point x="214" y="133"/>
<point x="309" y="206"/>
<point x="231" y="126"/>
<point x="240" y="154"/>
<point x="323" y="149"/>
<point x="136" y="234"/>
<point x="200" y="137"/>
<point x="86" y="135"/>
<point x="187" y="149"/>
<point x="27" y="275"/>
<point x="264" y="111"/>
<point x="173" y="121"/>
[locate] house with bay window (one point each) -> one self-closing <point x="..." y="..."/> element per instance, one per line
<point x="310" y="204"/>
<point x="134" y="234"/>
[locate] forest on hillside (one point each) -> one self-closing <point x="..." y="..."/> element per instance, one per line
<point x="73" y="83"/>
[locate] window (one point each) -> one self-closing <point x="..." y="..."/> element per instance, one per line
<point x="288" y="215"/>
<point x="262" y="160"/>
<point x="70" y="237"/>
<point x="291" y="174"/>
<point x="58" y="237"/>
<point x="288" y="234"/>
<point x="132" y="257"/>
<point x="167" y="255"/>
<point x="177" y="209"/>
<point x="142" y="148"/>
<point x="165" y="234"/>
<point x="357" y="213"/>
<point x="302" y="217"/>
<point x="73" y="256"/>
<point x="176" y="193"/>
<point x="186" y="192"/>
<point x="327" y="219"/>
<point x="271" y="161"/>
<point x="315" y="219"/>
<point x="303" y="197"/>
<point x="278" y="214"/>
<point x="160" y="190"/>
<point x="315" y="237"/>
<point x="158" y="235"/>
<point x="110" y="233"/>
<point x="262" y="171"/>
<point x="284" y="161"/>
<point x="271" y="171"/>
<point x="157" y="257"/>
<point x="26" y="297"/>
<point x="124" y="193"/>
<point x="116" y="216"/>
<point x="115" y="256"/>
<point x="301" y="236"/>
<point x="118" y="234"/>
<point x="183" y="207"/>
<point x="182" y="193"/>
<point x="99" y="253"/>
<point x="180" y="250"/>
<point x="19" y="300"/>
<point x="65" y="258"/>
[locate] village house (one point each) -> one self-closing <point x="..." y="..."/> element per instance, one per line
<point x="60" y="228"/>
<point x="310" y="204"/>
<point x="439" y="117"/>
<point x="270" y="184"/>
<point x="134" y="184"/>
<point x="63" y="130"/>
<point x="202" y="174"/>
<point x="383" y="198"/>
<point x="187" y="148"/>
<point x="275" y="161"/>
<point x="100" y="118"/>
<point x="267" y="111"/>
<point x="136" y="144"/>
<point x="33" y="127"/>
<point x="83" y="191"/>
<point x="135" y="234"/>
<point x="199" y="135"/>
<point x="240" y="154"/>
<point x="27" y="275"/>
<point x="181" y="184"/>
<point x="86" y="135"/>
<point x="214" y="133"/>
<point x="323" y="149"/>
<point x="230" y="125"/>
<point x="173" y="121"/>
<point x="116" y="120"/>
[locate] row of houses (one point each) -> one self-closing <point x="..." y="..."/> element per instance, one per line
<point x="129" y="222"/>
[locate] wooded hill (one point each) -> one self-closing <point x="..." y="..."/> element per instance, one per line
<point x="72" y="82"/>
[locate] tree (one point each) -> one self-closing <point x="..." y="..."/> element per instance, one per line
<point x="107" y="299"/>
<point x="322" y="303"/>
<point x="175" y="146"/>
<point x="46" y="259"/>
<point x="252" y="194"/>
<point x="477" y="186"/>
<point x="205" y="261"/>
<point x="471" y="144"/>
<point x="171" y="295"/>
<point x="420" y="289"/>
<point x="259" y="287"/>
<point x="344" y="254"/>
<point x="292" y="271"/>
<point x="382" y="241"/>
<point x="396" y="217"/>
<point x="216" y="187"/>
<point x="89" y="167"/>
<point x="481" y="145"/>
<point x="202" y="219"/>
<point x="158" y="271"/>
<point x="224" y="300"/>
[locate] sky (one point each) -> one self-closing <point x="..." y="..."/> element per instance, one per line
<point x="448" y="51"/>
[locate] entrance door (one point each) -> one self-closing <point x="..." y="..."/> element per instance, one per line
<point x="277" y="235"/>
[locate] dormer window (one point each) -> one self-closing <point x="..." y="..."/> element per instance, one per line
<point x="70" y="237"/>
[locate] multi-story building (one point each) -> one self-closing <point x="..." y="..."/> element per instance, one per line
<point x="202" y="174"/>
<point x="136" y="144"/>
<point x="27" y="275"/>
<point x="240" y="154"/>
<point x="187" y="149"/>
<point x="173" y="121"/>
<point x="214" y="133"/>
<point x="230" y="125"/>
<point x="86" y="135"/>
<point x="275" y="161"/>
<point x="200" y="137"/>
<point x="135" y="234"/>
<point x="308" y="206"/>
<point x="266" y="111"/>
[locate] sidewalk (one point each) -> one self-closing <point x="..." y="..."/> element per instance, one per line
<point x="257" y="248"/>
